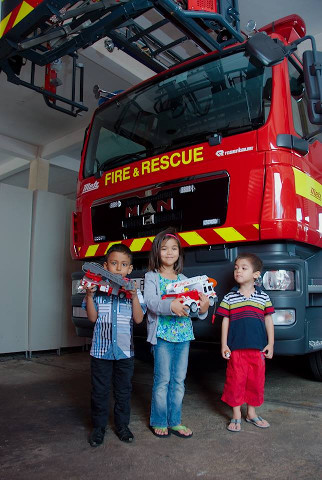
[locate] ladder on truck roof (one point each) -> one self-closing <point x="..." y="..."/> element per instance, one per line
<point x="157" y="33"/>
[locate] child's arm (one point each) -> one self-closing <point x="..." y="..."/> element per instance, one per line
<point x="224" y="336"/>
<point x="137" y="311"/>
<point x="153" y="300"/>
<point x="269" y="325"/>
<point x="90" y="306"/>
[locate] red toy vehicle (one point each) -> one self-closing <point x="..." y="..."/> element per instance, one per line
<point x="105" y="281"/>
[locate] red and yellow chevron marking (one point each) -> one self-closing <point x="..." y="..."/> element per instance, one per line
<point x="207" y="236"/>
<point x="17" y="14"/>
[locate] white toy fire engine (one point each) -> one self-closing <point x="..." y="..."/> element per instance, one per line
<point x="188" y="290"/>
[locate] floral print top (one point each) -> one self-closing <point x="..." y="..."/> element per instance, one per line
<point x="172" y="328"/>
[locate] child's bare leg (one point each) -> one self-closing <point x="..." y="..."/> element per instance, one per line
<point x="251" y="414"/>
<point x="236" y="416"/>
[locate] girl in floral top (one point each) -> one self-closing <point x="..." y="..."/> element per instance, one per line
<point x="170" y="332"/>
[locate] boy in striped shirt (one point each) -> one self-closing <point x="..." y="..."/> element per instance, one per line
<point x="247" y="338"/>
<point x="112" y="352"/>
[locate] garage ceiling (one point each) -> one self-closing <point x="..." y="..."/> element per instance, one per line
<point x="28" y="128"/>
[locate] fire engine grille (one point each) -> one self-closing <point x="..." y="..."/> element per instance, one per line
<point x="199" y="203"/>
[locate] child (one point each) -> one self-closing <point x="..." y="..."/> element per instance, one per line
<point x="247" y="338"/>
<point x="169" y="332"/>
<point x="112" y="348"/>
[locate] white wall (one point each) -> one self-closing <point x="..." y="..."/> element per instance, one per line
<point x="15" y="236"/>
<point x="35" y="285"/>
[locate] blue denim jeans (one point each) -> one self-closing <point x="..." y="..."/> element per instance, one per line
<point x="170" y="369"/>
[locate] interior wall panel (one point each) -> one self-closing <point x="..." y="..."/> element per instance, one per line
<point x="15" y="234"/>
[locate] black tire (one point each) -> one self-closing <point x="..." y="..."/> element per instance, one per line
<point x="315" y="362"/>
<point x="211" y="301"/>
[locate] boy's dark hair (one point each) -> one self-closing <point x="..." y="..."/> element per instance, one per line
<point x="121" y="248"/>
<point x="256" y="262"/>
<point x="155" y="253"/>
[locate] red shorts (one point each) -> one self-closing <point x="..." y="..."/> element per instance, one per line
<point x="245" y="378"/>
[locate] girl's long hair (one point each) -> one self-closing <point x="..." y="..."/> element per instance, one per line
<point x="155" y="253"/>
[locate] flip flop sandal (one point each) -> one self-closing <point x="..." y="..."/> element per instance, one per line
<point x="255" y="421"/>
<point x="235" y="421"/>
<point x="175" y="431"/>
<point x="153" y="430"/>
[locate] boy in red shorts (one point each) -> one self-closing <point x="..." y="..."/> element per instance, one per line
<point x="247" y="338"/>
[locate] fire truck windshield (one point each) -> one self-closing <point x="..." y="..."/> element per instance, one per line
<point x="227" y="95"/>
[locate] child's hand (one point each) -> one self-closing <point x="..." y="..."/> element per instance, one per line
<point x="90" y="291"/>
<point x="134" y="292"/>
<point x="204" y="303"/>
<point x="268" y="351"/>
<point x="225" y="352"/>
<point x="178" y="308"/>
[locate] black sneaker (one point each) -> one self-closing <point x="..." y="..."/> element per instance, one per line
<point x="96" y="438"/>
<point x="124" y="434"/>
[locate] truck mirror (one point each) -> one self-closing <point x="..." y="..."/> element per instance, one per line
<point x="312" y="69"/>
<point x="265" y="49"/>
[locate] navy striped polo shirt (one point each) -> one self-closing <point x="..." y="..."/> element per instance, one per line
<point x="246" y="318"/>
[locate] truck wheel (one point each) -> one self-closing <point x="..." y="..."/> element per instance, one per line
<point x="315" y="360"/>
<point x="193" y="307"/>
<point x="211" y="301"/>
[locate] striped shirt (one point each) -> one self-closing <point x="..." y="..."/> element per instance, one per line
<point x="246" y="318"/>
<point x="113" y="331"/>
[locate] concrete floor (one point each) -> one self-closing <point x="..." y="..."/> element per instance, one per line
<point x="45" y="424"/>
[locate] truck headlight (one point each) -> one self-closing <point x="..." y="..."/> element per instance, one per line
<point x="279" y="280"/>
<point x="284" y="317"/>
<point x="75" y="285"/>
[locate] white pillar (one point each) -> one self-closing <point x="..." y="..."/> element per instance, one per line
<point x="39" y="174"/>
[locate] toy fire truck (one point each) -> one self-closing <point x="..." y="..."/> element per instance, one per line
<point x="189" y="289"/>
<point x="105" y="281"/>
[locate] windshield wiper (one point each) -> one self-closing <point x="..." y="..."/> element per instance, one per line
<point x="118" y="160"/>
<point x="193" y="138"/>
<point x="205" y="135"/>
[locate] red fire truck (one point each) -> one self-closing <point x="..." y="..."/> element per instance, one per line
<point x="224" y="144"/>
<point x="227" y="148"/>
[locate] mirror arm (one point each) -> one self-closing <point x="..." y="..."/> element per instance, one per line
<point x="290" y="49"/>
<point x="313" y="135"/>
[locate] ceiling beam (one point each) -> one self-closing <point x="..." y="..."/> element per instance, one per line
<point x="118" y="62"/>
<point x="60" y="145"/>
<point x="13" y="166"/>
<point x="17" y="148"/>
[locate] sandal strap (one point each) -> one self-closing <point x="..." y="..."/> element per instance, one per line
<point x="235" y="420"/>
<point x="256" y="419"/>
<point x="179" y="427"/>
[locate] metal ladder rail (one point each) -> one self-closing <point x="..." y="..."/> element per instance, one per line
<point x="188" y="22"/>
<point x="113" y="17"/>
<point x="151" y="46"/>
